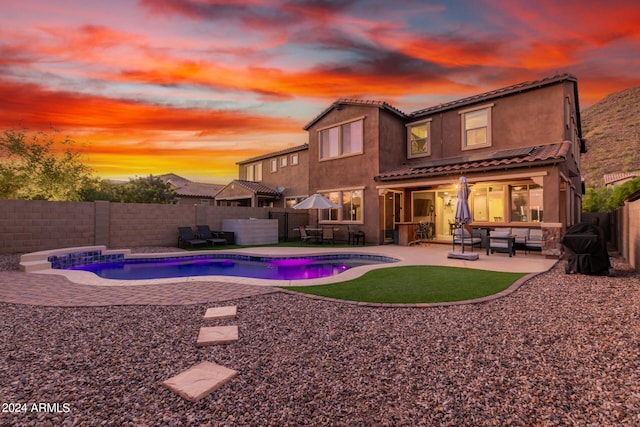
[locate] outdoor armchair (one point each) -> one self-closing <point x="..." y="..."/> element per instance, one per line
<point x="535" y="240"/>
<point x="462" y="236"/>
<point x="187" y="236"/>
<point x="212" y="237"/>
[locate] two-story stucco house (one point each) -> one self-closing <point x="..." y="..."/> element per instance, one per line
<point x="519" y="148"/>
<point x="278" y="179"/>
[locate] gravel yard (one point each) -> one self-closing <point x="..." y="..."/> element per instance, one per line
<point x="562" y="350"/>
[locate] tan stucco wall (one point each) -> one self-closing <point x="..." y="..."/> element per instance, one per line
<point x="525" y="119"/>
<point x="294" y="178"/>
<point x="355" y="171"/>
<point x="631" y="233"/>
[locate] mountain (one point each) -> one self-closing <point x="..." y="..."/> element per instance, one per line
<point x="612" y="130"/>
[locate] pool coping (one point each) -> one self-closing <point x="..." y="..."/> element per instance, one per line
<point x="37" y="262"/>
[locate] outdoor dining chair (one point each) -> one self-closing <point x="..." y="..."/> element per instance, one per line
<point x="327" y="235"/>
<point x="304" y="237"/>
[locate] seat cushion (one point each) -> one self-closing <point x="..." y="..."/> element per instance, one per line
<point x="522" y="234"/>
<point x="499" y="243"/>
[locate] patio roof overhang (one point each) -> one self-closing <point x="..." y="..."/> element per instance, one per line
<point x="506" y="160"/>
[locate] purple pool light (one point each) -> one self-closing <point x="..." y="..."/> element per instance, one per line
<point x="233" y="265"/>
<point x="291" y="262"/>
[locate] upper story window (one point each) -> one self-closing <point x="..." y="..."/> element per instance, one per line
<point x="419" y="139"/>
<point x="476" y="127"/>
<point x="342" y="140"/>
<point x="253" y="172"/>
<point x="294" y="159"/>
<point x="284" y="161"/>
<point x="274" y="165"/>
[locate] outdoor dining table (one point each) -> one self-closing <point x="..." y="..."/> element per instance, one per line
<point x="315" y="232"/>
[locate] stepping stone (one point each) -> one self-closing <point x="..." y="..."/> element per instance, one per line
<point x="228" y="312"/>
<point x="200" y="380"/>
<point x="217" y="335"/>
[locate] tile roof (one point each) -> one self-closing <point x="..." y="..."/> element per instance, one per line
<point x="197" y="189"/>
<point x="362" y="102"/>
<point x="610" y="178"/>
<point x="275" y="154"/>
<point x="257" y="187"/>
<point x="497" y="93"/>
<point x="505" y="159"/>
<point x="184" y="187"/>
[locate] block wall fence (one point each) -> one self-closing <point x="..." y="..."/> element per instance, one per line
<point x="35" y="225"/>
<point x="631" y="233"/>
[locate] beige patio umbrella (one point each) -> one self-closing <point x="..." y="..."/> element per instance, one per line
<point x="316" y="201"/>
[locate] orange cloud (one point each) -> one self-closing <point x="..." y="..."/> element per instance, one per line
<point x="136" y="138"/>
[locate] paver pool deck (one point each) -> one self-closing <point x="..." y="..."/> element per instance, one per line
<point x="67" y="288"/>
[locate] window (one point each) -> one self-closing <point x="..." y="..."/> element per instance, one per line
<point x="283" y="161"/>
<point x="476" y="127"/>
<point x="253" y="172"/>
<point x="274" y="165"/>
<point x="351" y="206"/>
<point x="294" y="159"/>
<point x="290" y="202"/>
<point x="418" y="139"/>
<point x="342" y="140"/>
<point x="526" y="203"/>
<point x="331" y="214"/>
<point x="488" y="203"/>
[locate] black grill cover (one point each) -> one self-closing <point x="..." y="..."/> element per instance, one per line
<point x="585" y="250"/>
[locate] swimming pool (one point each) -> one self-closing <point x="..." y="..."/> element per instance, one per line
<point x="271" y="268"/>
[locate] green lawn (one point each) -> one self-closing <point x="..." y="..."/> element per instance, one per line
<point x="416" y="284"/>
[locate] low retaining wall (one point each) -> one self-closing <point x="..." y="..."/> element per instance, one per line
<point x="252" y="231"/>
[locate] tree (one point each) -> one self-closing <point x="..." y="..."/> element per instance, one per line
<point x="606" y="199"/>
<point x="39" y="167"/>
<point x="100" y="189"/>
<point x="621" y="192"/>
<point x="149" y="189"/>
<point x="595" y="199"/>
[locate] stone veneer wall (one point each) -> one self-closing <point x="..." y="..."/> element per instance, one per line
<point x="33" y="225"/>
<point x="551" y="237"/>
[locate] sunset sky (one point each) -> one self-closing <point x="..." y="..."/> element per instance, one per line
<point x="193" y="86"/>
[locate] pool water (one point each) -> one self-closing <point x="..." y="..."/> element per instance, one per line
<point x="244" y="266"/>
